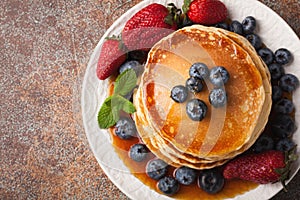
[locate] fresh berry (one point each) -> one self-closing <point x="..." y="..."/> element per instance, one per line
<point x="148" y="26"/>
<point x="283" y="56"/>
<point x="168" y="185"/>
<point x="219" y="76"/>
<point x="249" y="25"/>
<point x="285" y="144"/>
<point x="284" y="106"/>
<point x="156" y="169"/>
<point x="236" y="27"/>
<point x="125" y="128"/>
<point x="196" y="109"/>
<point x="254" y="40"/>
<point x="289" y="82"/>
<point x="194" y="84"/>
<point x="207" y="12"/>
<point x="267" y="55"/>
<point x="263" y="143"/>
<point x="179" y="93"/>
<point x="211" y="181"/>
<point x="222" y="25"/>
<point x="260" y="168"/>
<point x="138" y="55"/>
<point x="111" y="57"/>
<point x="283" y="126"/>
<point x="276" y="93"/>
<point x="138" y="152"/>
<point x="133" y="64"/>
<point x="217" y="97"/>
<point x="199" y="70"/>
<point x="185" y="175"/>
<point x="276" y="71"/>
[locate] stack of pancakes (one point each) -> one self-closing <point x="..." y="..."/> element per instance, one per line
<point x="225" y="132"/>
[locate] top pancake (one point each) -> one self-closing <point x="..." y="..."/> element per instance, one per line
<point x="223" y="130"/>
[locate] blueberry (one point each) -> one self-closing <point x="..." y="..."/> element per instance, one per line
<point x="138" y="55"/>
<point x="132" y="64"/>
<point x="222" y="25"/>
<point x="289" y="82"/>
<point x="156" y="169"/>
<point x="199" y="70"/>
<point x="276" y="93"/>
<point x="285" y="144"/>
<point x="254" y="40"/>
<point x="236" y="27"/>
<point x="125" y="128"/>
<point x="284" y="106"/>
<point x="218" y="76"/>
<point x="179" y="93"/>
<point x="217" y="97"/>
<point x="249" y="24"/>
<point x="168" y="185"/>
<point x="194" y="84"/>
<point x="138" y="152"/>
<point x="211" y="181"/>
<point x="283" y="126"/>
<point x="283" y="56"/>
<point x="263" y="143"/>
<point x="196" y="109"/>
<point x="276" y="71"/>
<point x="185" y="175"/>
<point x="267" y="55"/>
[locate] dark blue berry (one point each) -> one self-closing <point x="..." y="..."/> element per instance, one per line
<point x="168" y="185"/>
<point x="138" y="152"/>
<point x="179" y="93"/>
<point x="276" y="93"/>
<point x="219" y="76"/>
<point x="285" y="144"/>
<point x="289" y="82"/>
<point x="138" y="55"/>
<point x="249" y="25"/>
<point x="267" y="55"/>
<point x="276" y="71"/>
<point x="156" y="169"/>
<point x="132" y="64"/>
<point x="284" y="106"/>
<point x="236" y="27"/>
<point x="211" y="181"/>
<point x="185" y="175"/>
<point x="217" y="97"/>
<point x="199" y="70"/>
<point x="263" y="143"/>
<point x="283" y="56"/>
<point x="254" y="40"/>
<point x="194" y="84"/>
<point x="222" y="25"/>
<point x="283" y="126"/>
<point x="125" y="128"/>
<point x="196" y="109"/>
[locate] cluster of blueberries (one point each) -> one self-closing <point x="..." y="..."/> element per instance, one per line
<point x="199" y="73"/>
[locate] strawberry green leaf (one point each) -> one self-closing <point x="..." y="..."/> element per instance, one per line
<point x="186" y="6"/>
<point x="125" y="82"/>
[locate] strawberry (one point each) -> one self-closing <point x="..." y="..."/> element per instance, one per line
<point x="112" y="55"/>
<point x="149" y="25"/>
<point x="266" y="167"/>
<point x="206" y="12"/>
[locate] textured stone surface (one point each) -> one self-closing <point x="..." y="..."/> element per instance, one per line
<point x="44" y="50"/>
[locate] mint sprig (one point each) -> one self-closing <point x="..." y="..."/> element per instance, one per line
<point x="109" y="112"/>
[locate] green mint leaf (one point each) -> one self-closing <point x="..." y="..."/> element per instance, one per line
<point x="106" y="117"/>
<point x="125" y="82"/>
<point x="186" y="6"/>
<point x="120" y="103"/>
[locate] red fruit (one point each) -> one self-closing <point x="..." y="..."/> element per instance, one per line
<point x="266" y="167"/>
<point x="148" y="26"/>
<point x="207" y="12"/>
<point x="110" y="59"/>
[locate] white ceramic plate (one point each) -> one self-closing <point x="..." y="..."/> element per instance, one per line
<point x="274" y="32"/>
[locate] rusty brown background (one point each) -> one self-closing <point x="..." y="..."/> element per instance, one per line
<point x="44" y="50"/>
